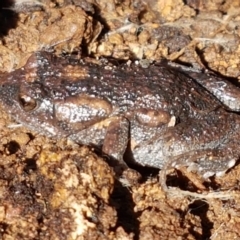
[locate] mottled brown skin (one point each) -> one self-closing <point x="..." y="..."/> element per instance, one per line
<point x="165" y="116"/>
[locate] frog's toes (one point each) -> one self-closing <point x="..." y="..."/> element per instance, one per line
<point x="230" y="164"/>
<point x="206" y="163"/>
<point x="217" y="168"/>
<point x="193" y="167"/>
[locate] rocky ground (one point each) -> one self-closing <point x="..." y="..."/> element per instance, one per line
<point x="56" y="189"/>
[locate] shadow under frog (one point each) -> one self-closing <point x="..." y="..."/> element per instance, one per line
<point x="165" y="115"/>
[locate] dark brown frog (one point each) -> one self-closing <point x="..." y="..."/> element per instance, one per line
<point x="160" y="113"/>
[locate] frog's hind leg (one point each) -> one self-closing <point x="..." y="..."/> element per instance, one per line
<point x="206" y="163"/>
<point x="221" y="88"/>
<point x="225" y="91"/>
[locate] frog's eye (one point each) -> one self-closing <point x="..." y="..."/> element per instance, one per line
<point x="27" y="103"/>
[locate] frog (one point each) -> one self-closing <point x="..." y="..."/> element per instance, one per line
<point x="154" y="116"/>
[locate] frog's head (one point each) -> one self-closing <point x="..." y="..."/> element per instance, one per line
<point x="24" y="98"/>
<point x="36" y="96"/>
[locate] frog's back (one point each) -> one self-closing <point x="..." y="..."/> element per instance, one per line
<point x="125" y="87"/>
<point x="128" y="87"/>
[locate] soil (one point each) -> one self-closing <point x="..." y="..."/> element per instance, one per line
<point x="56" y="189"/>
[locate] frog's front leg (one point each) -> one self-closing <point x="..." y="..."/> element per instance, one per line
<point x="90" y="120"/>
<point x="116" y="138"/>
<point x="110" y="134"/>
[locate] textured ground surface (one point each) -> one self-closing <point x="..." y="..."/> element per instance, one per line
<point x="58" y="190"/>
